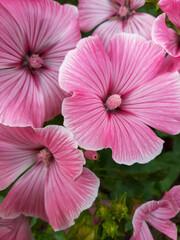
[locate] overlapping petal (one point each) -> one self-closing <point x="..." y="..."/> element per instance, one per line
<point x="21" y="98"/>
<point x="155" y="105"/>
<point x="12" y="40"/>
<point x="165" y="37"/>
<point x="87" y="68"/>
<point x="130" y="140"/>
<point x="15" y="229"/>
<point x="134" y="61"/>
<point x="86" y="117"/>
<point x="172" y="9"/>
<point x="134" y="4"/>
<point x="66" y="199"/>
<point x="92" y="12"/>
<point x="175" y="193"/>
<point x="143" y="234"/>
<point x="27" y="195"/>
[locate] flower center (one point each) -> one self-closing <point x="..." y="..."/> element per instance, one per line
<point x="45" y="156"/>
<point x="35" y="61"/>
<point x="113" y="101"/>
<point x="123" y="11"/>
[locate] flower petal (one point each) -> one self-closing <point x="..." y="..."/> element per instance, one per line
<point x="134" y="4"/>
<point x="66" y="199"/>
<point x="154" y="104"/>
<point x="86" y="68"/>
<point x="164" y="226"/>
<point x="27" y="195"/>
<point x="85" y="116"/>
<point x="172" y="9"/>
<point x="18" y="149"/>
<point x="15" y="229"/>
<point x="175" y="193"/>
<point x="63" y="148"/>
<point x="122" y="131"/>
<point x="21" y="98"/>
<point x="53" y="95"/>
<point x="135" y="61"/>
<point x="144" y="233"/>
<point x="92" y="12"/>
<point x="12" y="41"/>
<point x="165" y="37"/>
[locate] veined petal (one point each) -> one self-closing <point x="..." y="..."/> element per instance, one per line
<point x="154" y="104"/>
<point x="86" y="117"/>
<point x="135" y="61"/>
<point x="165" y="37"/>
<point x="92" y="12"/>
<point x="15" y="229"/>
<point x="86" y="68"/>
<point x="63" y="148"/>
<point x="21" y="98"/>
<point x="143" y="234"/>
<point x="172" y="9"/>
<point x="12" y="41"/>
<point x="66" y="199"/>
<point x="134" y="4"/>
<point x="164" y="226"/>
<point x="175" y="193"/>
<point x="27" y="195"/>
<point x="122" y="131"/>
<point x="53" y="95"/>
<point x="18" y="149"/>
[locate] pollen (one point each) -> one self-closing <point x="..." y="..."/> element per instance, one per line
<point x="35" y="61"/>
<point x="113" y="102"/>
<point x="45" y="156"/>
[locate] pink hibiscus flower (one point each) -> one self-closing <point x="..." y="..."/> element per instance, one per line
<point x="35" y="37"/>
<point x="121" y="17"/>
<point x="56" y="188"/>
<point x="113" y="98"/>
<point x="157" y="214"/>
<point x="164" y="36"/>
<point x="15" y="229"/>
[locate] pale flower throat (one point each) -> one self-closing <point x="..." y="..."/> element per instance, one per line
<point x="113" y="102"/>
<point x="45" y="156"/>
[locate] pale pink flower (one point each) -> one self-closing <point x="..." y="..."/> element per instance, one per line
<point x="171" y="64"/>
<point x="56" y="188"/>
<point x="157" y="214"/>
<point x="121" y="17"/>
<point x="15" y="229"/>
<point x="161" y="34"/>
<point x="35" y="37"/>
<point x="94" y="113"/>
<point x="175" y="194"/>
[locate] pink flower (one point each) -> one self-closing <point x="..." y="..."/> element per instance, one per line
<point x="171" y="64"/>
<point x="35" y="37"/>
<point x="121" y="17"/>
<point x="94" y="112"/>
<point x="56" y="188"/>
<point x="15" y="229"/>
<point x="157" y="214"/>
<point x="161" y="34"/>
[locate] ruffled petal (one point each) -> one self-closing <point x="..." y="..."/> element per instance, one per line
<point x="21" y="98"/>
<point x="66" y="199"/>
<point x="53" y="95"/>
<point x="63" y="148"/>
<point x="138" y="23"/>
<point x="92" y="12"/>
<point x="175" y="193"/>
<point x="27" y="195"/>
<point x="164" y="226"/>
<point x="87" y="68"/>
<point x="85" y="116"/>
<point x="12" y="41"/>
<point x="15" y="229"/>
<point x="172" y="9"/>
<point x="123" y="131"/>
<point x="134" y="4"/>
<point x="144" y="233"/>
<point x="135" y="61"/>
<point x="154" y="104"/>
<point x="165" y="37"/>
<point x="18" y="149"/>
